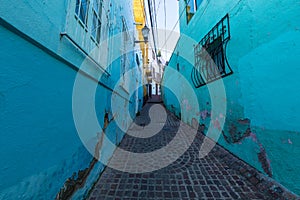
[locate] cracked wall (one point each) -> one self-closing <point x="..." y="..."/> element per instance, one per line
<point x="262" y="115"/>
<point x="40" y="149"/>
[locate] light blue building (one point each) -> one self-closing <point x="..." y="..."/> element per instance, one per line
<point x="255" y="46"/>
<point x="44" y="46"/>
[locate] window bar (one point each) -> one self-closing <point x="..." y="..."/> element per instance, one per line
<point x="214" y="42"/>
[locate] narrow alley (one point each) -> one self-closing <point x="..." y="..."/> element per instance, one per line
<point x="149" y="99"/>
<point x="220" y="175"/>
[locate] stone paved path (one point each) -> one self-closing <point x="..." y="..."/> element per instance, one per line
<point x="189" y="177"/>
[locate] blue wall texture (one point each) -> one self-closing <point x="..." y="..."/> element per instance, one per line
<point x="39" y="145"/>
<point x="262" y="93"/>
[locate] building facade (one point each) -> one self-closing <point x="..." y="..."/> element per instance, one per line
<point x="254" y="46"/>
<point x="45" y="46"/>
<point x="140" y="22"/>
<point x="157" y="67"/>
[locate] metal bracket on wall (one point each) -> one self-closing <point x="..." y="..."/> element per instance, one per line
<point x="211" y="62"/>
<point x="95" y="62"/>
<point x="84" y="52"/>
<point x="53" y="54"/>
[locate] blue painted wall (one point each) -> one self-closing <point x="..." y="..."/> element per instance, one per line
<point x="39" y="145"/>
<point x="263" y="52"/>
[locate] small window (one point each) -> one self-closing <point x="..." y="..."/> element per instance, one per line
<point x="191" y="8"/>
<point x="211" y="62"/>
<point x="81" y="11"/>
<point x="96" y="26"/>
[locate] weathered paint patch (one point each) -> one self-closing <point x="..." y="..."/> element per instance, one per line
<point x="265" y="162"/>
<point x="38" y="84"/>
<point x="259" y="85"/>
<point x="77" y="180"/>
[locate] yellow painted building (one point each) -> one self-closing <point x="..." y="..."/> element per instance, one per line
<point x="140" y="20"/>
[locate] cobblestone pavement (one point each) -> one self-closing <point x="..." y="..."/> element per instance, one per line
<point x="220" y="175"/>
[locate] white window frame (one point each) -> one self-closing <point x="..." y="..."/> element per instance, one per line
<point x="125" y="41"/>
<point x="195" y="5"/>
<point x="96" y="20"/>
<point x="80" y="14"/>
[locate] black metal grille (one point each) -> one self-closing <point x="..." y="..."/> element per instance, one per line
<point x="210" y="55"/>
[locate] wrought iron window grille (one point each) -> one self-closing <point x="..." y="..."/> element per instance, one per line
<point x="211" y="62"/>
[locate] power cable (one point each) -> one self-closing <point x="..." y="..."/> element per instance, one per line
<point x="176" y="24"/>
<point x="144" y="11"/>
<point x="158" y="6"/>
<point x="155" y="20"/>
<point x="165" y="11"/>
<point x="150" y="7"/>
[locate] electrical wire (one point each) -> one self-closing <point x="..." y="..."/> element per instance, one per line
<point x="181" y="14"/>
<point x="150" y="7"/>
<point x="158" y="6"/>
<point x="155" y="20"/>
<point x="165" y="11"/>
<point x="144" y="11"/>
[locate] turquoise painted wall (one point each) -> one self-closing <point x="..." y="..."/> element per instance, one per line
<point x="263" y="52"/>
<point x="39" y="145"/>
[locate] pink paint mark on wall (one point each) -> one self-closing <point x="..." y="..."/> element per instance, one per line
<point x="204" y="114"/>
<point x="186" y="104"/>
<point x="188" y="107"/>
<point x="237" y="82"/>
<point x="216" y="124"/>
<point x="253" y="137"/>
